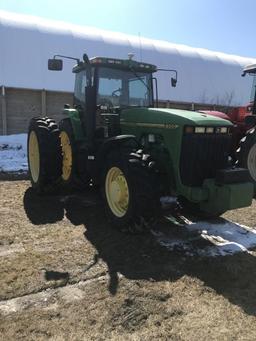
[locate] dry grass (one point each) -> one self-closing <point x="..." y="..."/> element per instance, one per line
<point x="102" y="284"/>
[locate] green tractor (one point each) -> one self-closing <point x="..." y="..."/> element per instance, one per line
<point x="116" y="138"/>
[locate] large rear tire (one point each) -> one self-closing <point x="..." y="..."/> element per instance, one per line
<point x="246" y="153"/>
<point x="131" y="192"/>
<point x="44" y="157"/>
<point x="68" y="153"/>
<point x="73" y="175"/>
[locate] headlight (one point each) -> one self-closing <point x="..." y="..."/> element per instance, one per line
<point x="199" y="130"/>
<point x="209" y="130"/>
<point x="221" y="130"/>
<point x="206" y="130"/>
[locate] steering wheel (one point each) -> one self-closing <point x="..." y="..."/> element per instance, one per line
<point x="114" y="93"/>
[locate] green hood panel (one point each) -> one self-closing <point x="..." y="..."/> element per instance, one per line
<point x="170" y="116"/>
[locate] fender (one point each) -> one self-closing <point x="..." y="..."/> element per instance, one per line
<point x="116" y="142"/>
<point x="109" y="145"/>
<point x="73" y="114"/>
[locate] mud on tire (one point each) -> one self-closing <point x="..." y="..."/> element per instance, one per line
<point x="131" y="191"/>
<point x="44" y="156"/>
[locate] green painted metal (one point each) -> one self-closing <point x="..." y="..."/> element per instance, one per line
<point x="168" y="126"/>
<point x="169" y="123"/>
<point x="172" y="116"/>
<point x="73" y="114"/>
<point x="227" y="197"/>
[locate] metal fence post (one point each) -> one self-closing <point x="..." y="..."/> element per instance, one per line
<point x="43" y="102"/>
<point x="4" y="111"/>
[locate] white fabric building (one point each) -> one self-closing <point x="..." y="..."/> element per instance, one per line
<point x="203" y="76"/>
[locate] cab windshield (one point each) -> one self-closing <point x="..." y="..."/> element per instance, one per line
<point x="119" y="88"/>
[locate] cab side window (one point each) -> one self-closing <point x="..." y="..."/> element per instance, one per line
<point x="80" y="84"/>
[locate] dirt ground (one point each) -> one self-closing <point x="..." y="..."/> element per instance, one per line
<point x="66" y="274"/>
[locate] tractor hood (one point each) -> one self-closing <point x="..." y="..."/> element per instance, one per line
<point x="159" y="118"/>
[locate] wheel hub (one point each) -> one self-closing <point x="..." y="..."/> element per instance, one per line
<point x="34" y="156"/>
<point x="66" y="155"/>
<point x="117" y="191"/>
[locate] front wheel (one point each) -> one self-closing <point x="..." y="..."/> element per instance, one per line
<point x="131" y="193"/>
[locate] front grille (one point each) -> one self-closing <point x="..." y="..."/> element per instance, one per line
<point x="201" y="156"/>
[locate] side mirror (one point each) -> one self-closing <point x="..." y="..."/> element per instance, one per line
<point x="173" y="82"/>
<point x="55" y="64"/>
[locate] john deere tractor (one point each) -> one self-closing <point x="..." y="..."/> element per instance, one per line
<point x="114" y="137"/>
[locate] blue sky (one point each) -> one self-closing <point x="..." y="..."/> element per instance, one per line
<point x="221" y="25"/>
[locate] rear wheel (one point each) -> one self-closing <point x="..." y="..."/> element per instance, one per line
<point x="131" y="192"/>
<point x="67" y="151"/>
<point x="43" y="149"/>
<point x="71" y="175"/>
<point x="246" y="153"/>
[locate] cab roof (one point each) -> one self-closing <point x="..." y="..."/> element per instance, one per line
<point x="123" y="64"/>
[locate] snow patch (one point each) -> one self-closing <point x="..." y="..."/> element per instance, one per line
<point x="13" y="153"/>
<point x="208" y="239"/>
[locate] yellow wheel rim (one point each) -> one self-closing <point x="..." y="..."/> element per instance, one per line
<point x="34" y="156"/>
<point x="66" y="155"/>
<point x="117" y="191"/>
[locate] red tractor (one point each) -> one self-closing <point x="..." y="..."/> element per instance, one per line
<point x="243" y="147"/>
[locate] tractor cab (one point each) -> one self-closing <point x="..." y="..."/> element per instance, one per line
<point x="117" y="83"/>
<point x="105" y="86"/>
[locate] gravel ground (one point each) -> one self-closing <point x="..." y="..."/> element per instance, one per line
<point x="66" y="274"/>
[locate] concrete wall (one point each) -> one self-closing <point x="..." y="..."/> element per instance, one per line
<point x="18" y="106"/>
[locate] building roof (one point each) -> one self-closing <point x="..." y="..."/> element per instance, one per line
<point x="203" y="76"/>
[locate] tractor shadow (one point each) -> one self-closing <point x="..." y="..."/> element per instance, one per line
<point x="141" y="257"/>
<point x="40" y="210"/>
